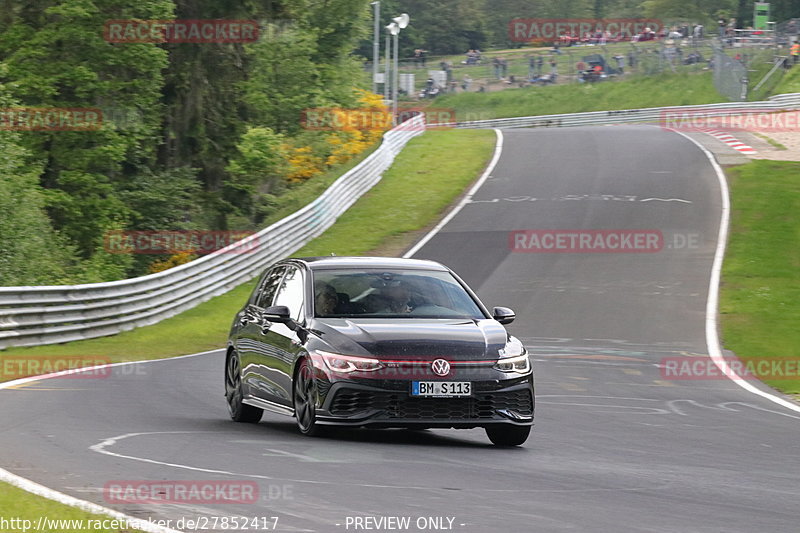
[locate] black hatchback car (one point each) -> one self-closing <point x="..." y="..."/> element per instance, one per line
<point x="378" y="342"/>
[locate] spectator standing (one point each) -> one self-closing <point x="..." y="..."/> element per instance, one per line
<point x="620" y="59"/>
<point x="795" y="52"/>
<point x="539" y="65"/>
<point x="531" y="66"/>
<point x="447" y="67"/>
<point x="496" y="66"/>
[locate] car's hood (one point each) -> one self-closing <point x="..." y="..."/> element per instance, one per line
<point x="414" y="338"/>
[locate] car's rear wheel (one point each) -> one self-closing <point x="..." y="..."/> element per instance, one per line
<point x="240" y="412"/>
<point x="305" y="400"/>
<point x="507" y="435"/>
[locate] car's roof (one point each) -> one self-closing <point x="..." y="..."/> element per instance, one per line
<point x="315" y="263"/>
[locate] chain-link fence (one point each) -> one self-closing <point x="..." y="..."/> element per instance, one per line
<point x="738" y="67"/>
<point x="730" y="76"/>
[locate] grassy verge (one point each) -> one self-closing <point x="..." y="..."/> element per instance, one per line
<point x="760" y="297"/>
<point x="423" y="181"/>
<point x="790" y="82"/>
<point x="22" y="505"/>
<point x="654" y="91"/>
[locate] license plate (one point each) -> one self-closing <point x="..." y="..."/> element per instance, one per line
<point x="441" y="388"/>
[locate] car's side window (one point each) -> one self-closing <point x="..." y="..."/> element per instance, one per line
<point x="291" y="292"/>
<point x="269" y="286"/>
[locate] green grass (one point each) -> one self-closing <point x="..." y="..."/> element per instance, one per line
<point x="759" y="64"/>
<point x="790" y="82"/>
<point x="760" y="297"/>
<point x="636" y="92"/>
<point x="423" y="181"/>
<point x="16" y="503"/>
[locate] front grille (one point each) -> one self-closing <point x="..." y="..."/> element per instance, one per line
<point x="481" y="406"/>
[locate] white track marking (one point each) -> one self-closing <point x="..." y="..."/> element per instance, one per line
<point x="498" y="151"/>
<point x="65" y="499"/>
<point x="665" y="200"/>
<point x="712" y="335"/>
<point x="50" y="494"/>
<point x="23" y="381"/>
<point x="101" y="448"/>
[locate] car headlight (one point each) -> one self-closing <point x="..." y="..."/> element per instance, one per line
<point x="349" y="363"/>
<point x="513" y="358"/>
<point x="520" y="364"/>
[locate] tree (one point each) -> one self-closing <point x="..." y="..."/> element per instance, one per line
<point x="57" y="57"/>
<point x="31" y="253"/>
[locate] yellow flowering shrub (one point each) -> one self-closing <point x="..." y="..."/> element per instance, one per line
<point x="171" y="262"/>
<point x="303" y="163"/>
<point x="362" y="127"/>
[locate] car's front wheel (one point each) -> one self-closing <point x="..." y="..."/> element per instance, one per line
<point x="240" y="412"/>
<point x="305" y="400"/>
<point x="507" y="435"/>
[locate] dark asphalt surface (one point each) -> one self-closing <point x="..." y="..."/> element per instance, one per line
<point x="616" y="446"/>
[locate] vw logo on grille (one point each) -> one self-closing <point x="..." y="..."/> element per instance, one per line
<point x="440" y="367"/>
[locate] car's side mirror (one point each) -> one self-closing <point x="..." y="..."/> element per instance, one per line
<point x="504" y="315"/>
<point x="280" y="315"/>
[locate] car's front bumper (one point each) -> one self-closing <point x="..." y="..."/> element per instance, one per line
<point x="388" y="403"/>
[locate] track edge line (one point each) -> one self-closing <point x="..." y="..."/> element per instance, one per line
<point x="498" y="151"/>
<point x="712" y="332"/>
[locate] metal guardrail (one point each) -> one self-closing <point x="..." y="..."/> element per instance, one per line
<point x="782" y="102"/>
<point x="31" y="316"/>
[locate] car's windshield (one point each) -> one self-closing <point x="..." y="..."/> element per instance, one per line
<point x="391" y="294"/>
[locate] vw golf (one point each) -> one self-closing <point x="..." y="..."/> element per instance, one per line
<point x="378" y="342"/>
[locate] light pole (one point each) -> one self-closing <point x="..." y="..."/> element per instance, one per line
<point x="376" y="46"/>
<point x="399" y="23"/>
<point x="392" y="29"/>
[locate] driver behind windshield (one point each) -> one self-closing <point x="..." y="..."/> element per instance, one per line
<point x="392" y="297"/>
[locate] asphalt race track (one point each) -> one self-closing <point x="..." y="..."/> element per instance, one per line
<point x="617" y="446"/>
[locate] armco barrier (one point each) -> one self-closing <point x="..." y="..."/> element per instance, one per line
<point x="780" y="102"/>
<point x="31" y="316"/>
